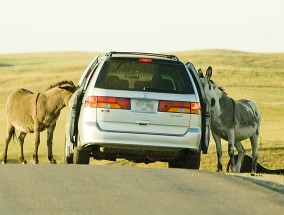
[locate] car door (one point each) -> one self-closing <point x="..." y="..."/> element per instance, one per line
<point x="78" y="97"/>
<point x="205" y="137"/>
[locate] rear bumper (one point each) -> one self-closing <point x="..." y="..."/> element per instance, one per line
<point x="90" y="134"/>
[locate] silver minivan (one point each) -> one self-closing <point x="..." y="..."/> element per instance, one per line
<point x="142" y="107"/>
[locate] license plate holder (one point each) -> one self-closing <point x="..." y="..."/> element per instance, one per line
<point x="143" y="105"/>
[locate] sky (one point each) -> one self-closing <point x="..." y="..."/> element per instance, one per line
<point x="146" y="25"/>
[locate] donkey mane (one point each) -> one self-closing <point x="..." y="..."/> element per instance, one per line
<point x="220" y="88"/>
<point x="59" y="84"/>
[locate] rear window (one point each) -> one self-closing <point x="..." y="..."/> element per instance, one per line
<point x="144" y="75"/>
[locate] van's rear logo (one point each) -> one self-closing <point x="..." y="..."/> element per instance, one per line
<point x="175" y="115"/>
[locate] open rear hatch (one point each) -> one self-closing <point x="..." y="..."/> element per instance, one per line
<point x="144" y="95"/>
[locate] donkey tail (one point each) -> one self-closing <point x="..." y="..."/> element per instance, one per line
<point x="12" y="134"/>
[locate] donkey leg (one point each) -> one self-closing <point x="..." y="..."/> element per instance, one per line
<point x="10" y="132"/>
<point x="254" y="140"/>
<point x="37" y="141"/>
<point x="241" y="155"/>
<point x="35" y="154"/>
<point x="231" y="143"/>
<point x="21" y="140"/>
<point x="50" y="131"/>
<point x="217" y="140"/>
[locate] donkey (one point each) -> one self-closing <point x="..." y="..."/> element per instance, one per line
<point x="233" y="121"/>
<point x="33" y="113"/>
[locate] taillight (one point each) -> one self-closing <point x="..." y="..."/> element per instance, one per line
<point x="145" y="60"/>
<point x="195" y="108"/>
<point x="107" y="102"/>
<point x="91" y="101"/>
<point x="179" y="107"/>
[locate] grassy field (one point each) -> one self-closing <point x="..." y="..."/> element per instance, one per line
<point x="255" y="76"/>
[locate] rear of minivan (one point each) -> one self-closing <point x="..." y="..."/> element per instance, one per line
<point x="142" y="108"/>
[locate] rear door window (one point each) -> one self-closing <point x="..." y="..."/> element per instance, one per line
<point x="144" y="74"/>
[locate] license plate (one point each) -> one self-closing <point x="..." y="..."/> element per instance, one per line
<point x="143" y="105"/>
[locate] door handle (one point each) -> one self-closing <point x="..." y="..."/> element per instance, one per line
<point x="143" y="122"/>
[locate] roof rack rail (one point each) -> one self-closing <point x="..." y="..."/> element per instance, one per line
<point x="172" y="57"/>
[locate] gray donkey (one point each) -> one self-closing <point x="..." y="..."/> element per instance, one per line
<point x="33" y="113"/>
<point x="233" y="121"/>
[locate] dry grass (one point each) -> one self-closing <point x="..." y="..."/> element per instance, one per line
<point x="258" y="77"/>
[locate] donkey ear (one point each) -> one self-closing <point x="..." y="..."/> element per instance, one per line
<point x="208" y="73"/>
<point x="200" y="73"/>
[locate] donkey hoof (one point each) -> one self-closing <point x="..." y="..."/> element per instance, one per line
<point x="53" y="161"/>
<point x="22" y="161"/>
<point x="233" y="170"/>
<point x="36" y="162"/>
<point x="4" y="162"/>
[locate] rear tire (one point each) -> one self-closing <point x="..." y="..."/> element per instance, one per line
<point x="81" y="156"/>
<point x="193" y="160"/>
<point x="189" y="160"/>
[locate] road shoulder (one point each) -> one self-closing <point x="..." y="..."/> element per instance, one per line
<point x="273" y="182"/>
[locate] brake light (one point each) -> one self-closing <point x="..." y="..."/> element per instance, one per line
<point x="145" y="60"/>
<point x="179" y="107"/>
<point x="107" y="102"/>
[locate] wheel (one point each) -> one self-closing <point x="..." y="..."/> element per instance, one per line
<point x="81" y="156"/>
<point x="176" y="163"/>
<point x="188" y="160"/>
<point x="68" y="158"/>
<point x="192" y="161"/>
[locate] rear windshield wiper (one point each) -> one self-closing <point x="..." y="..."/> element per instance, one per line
<point x="116" y="68"/>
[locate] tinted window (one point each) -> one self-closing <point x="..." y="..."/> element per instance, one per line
<point x="155" y="76"/>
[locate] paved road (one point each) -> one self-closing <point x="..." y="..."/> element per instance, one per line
<point x="71" y="189"/>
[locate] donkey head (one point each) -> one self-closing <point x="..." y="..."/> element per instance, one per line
<point x="212" y="91"/>
<point x="68" y="88"/>
<point x="210" y="86"/>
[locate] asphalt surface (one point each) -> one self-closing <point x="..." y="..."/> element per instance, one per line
<point x="78" y="189"/>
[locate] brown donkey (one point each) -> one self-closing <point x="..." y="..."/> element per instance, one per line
<point x="33" y="113"/>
